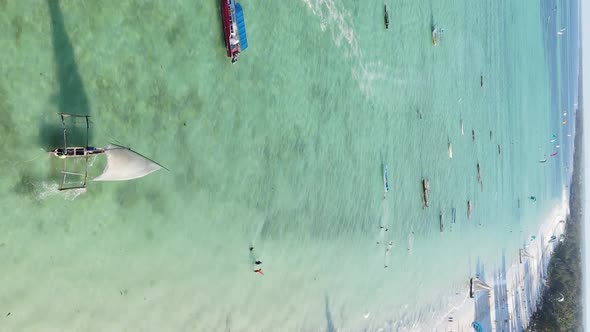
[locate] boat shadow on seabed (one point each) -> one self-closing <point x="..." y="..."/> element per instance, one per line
<point x="70" y="95"/>
<point x="482" y="302"/>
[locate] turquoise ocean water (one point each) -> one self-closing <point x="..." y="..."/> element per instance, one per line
<point x="282" y="151"/>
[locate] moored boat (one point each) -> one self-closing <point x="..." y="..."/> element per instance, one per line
<point x="450" y="149"/>
<point x="234" y="28"/>
<point x="425" y="192"/>
<point x="477" y="285"/>
<point x="436" y="34"/>
<point x="122" y="163"/>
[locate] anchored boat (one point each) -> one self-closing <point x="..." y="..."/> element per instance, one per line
<point x="450" y="150"/>
<point x="122" y="162"/>
<point x="436" y="32"/>
<point x="234" y="29"/>
<point x="477" y="285"/>
<point x="425" y="192"/>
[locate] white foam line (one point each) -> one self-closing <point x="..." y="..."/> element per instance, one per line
<point x="339" y="23"/>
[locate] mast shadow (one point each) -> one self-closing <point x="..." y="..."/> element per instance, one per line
<point x="329" y="321"/>
<point x="71" y="96"/>
<point x="482" y="301"/>
<point x="502" y="310"/>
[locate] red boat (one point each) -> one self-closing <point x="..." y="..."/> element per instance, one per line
<point x="234" y="29"/>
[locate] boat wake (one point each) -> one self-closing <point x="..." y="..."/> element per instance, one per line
<point x="338" y="22"/>
<point x="45" y="190"/>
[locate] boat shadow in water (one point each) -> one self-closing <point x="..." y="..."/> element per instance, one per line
<point x="70" y="95"/>
<point x="432" y="26"/>
<point x="482" y="302"/>
<point x="502" y="311"/>
<point x="329" y="321"/>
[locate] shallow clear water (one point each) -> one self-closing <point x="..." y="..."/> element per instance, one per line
<point x="282" y="151"/>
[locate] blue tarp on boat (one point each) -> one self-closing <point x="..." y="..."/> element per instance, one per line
<point x="241" y="27"/>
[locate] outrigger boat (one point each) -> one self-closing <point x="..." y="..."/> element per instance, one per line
<point x="469" y="208"/>
<point x="435" y="34"/>
<point x="234" y="29"/>
<point x="386" y="16"/>
<point x="425" y="192"/>
<point x="122" y="162"/>
<point x="440" y="221"/>
<point x="450" y="148"/>
<point x="477" y="285"/>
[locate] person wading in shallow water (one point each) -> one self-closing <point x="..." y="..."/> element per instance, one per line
<point x="257" y="262"/>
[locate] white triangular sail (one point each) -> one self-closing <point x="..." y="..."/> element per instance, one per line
<point x="477" y="285"/>
<point x="125" y="164"/>
<point x="561" y="298"/>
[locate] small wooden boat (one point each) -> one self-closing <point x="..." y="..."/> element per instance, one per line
<point x="450" y="148"/>
<point x="234" y="29"/>
<point x="122" y="163"/>
<point x="425" y="192"/>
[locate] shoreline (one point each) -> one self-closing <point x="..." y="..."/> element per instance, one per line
<point x="516" y="289"/>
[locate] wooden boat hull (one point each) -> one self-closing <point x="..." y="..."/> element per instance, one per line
<point x="234" y="29"/>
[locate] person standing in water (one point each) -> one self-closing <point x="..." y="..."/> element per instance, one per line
<point x="256" y="261"/>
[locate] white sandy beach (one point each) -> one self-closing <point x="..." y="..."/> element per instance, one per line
<point x="517" y="290"/>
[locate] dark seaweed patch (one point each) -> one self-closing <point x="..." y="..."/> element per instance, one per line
<point x="6" y="122"/>
<point x="175" y="32"/>
<point x="128" y="196"/>
<point x="159" y="98"/>
<point x="17" y="26"/>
